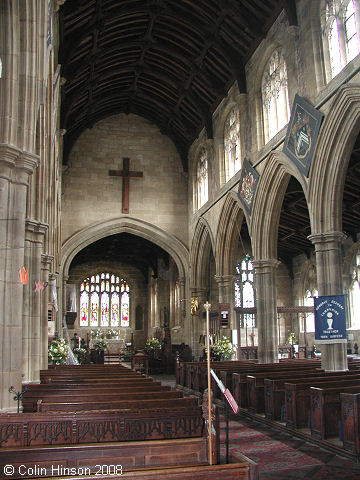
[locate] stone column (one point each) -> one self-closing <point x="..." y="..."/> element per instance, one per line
<point x="32" y="348"/>
<point x="46" y="263"/>
<point x="198" y="324"/>
<point x="329" y="279"/>
<point x="266" y="305"/>
<point x="226" y="295"/>
<point x="15" y="170"/>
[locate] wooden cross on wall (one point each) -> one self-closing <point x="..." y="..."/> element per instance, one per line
<point x="126" y="174"/>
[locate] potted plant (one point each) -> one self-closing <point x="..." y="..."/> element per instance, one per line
<point x="80" y="354"/>
<point x="57" y="352"/>
<point x="152" y="346"/>
<point x="98" y="348"/>
<point x="223" y="349"/>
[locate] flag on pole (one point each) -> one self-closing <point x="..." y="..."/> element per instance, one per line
<point x="226" y="392"/>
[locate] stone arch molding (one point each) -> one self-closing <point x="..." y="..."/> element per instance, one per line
<point x="268" y="200"/>
<point x="173" y="246"/>
<point x="329" y="166"/>
<point x="202" y="239"/>
<point x="229" y="226"/>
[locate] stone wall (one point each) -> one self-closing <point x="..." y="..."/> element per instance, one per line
<point x="90" y="195"/>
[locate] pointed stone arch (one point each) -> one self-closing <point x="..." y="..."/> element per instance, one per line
<point x="175" y="248"/>
<point x="269" y="197"/>
<point x="203" y="242"/>
<point x="329" y="166"/>
<point x="229" y="228"/>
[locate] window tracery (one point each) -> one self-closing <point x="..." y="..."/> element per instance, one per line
<point x="104" y="301"/>
<point x="341" y="33"/>
<point x="275" y="95"/>
<point x="244" y="290"/>
<point x="202" y="179"/>
<point x="232" y="144"/>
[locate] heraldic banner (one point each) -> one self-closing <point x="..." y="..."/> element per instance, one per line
<point x="247" y="186"/>
<point x="330" y="319"/>
<point x="302" y="134"/>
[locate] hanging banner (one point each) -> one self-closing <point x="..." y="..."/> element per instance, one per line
<point x="247" y="185"/>
<point x="302" y="134"/>
<point x="330" y="319"/>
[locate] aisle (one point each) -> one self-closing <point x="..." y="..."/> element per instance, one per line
<point x="280" y="456"/>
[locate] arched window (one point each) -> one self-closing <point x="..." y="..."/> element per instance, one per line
<point x="354" y="294"/>
<point x="341" y="33"/>
<point x="245" y="291"/>
<point x="202" y="179"/>
<point x="104" y="301"/>
<point x="232" y="144"/>
<point x="309" y="324"/>
<point x="274" y="90"/>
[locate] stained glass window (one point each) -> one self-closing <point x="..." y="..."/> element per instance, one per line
<point x="340" y="33"/>
<point x="274" y="91"/>
<point x="309" y="302"/>
<point x="244" y="289"/>
<point x="202" y="179"/>
<point x="104" y="301"/>
<point x="232" y="144"/>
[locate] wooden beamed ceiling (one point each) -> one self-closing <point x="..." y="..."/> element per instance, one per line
<point x="169" y="61"/>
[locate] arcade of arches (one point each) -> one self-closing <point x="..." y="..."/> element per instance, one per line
<point x="66" y="243"/>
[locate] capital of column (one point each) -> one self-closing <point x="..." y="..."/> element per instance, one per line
<point x="27" y="162"/>
<point x="265" y="264"/>
<point x="224" y="280"/>
<point x="322" y="239"/>
<point x="8" y="156"/>
<point x="46" y="261"/>
<point x="35" y="226"/>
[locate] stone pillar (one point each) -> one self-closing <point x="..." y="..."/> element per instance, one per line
<point x="225" y="284"/>
<point x="266" y="304"/>
<point x="15" y="170"/>
<point x="329" y="279"/>
<point x="46" y="263"/>
<point x="226" y="295"/>
<point x="31" y="333"/>
<point x="197" y="322"/>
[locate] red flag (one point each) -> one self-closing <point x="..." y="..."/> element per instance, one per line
<point x="231" y="401"/>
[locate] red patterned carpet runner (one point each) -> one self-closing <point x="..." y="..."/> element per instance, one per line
<point x="281" y="456"/>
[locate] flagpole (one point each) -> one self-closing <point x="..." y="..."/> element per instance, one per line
<point x="207" y="307"/>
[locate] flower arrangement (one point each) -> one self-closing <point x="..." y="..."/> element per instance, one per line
<point x="99" y="345"/>
<point x="291" y="338"/>
<point x="98" y="333"/>
<point x="80" y="354"/>
<point x="112" y="333"/>
<point x="223" y="349"/>
<point x="152" y="344"/>
<point x="58" y="352"/>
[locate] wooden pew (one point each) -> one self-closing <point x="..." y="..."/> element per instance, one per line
<point x="239" y="380"/>
<point x="325" y="404"/>
<point x="297" y="398"/>
<point x="274" y="390"/>
<point x="350" y="419"/>
<point x="256" y="384"/>
<point x="32" y="397"/>
<point x="231" y="471"/>
<point x="69" y="428"/>
<point x="113" y="404"/>
<point x="111" y="458"/>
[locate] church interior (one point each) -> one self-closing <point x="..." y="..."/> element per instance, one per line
<point x="157" y="156"/>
